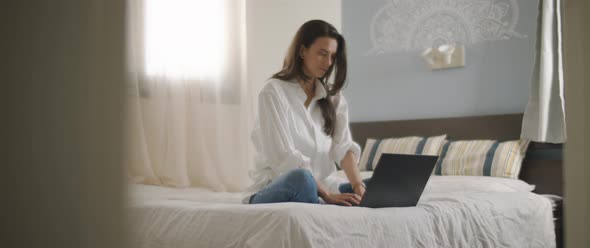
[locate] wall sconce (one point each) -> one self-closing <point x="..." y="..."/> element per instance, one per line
<point x="445" y="56"/>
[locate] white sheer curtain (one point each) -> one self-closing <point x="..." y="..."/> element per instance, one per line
<point x="189" y="107"/>
<point x="544" y="117"/>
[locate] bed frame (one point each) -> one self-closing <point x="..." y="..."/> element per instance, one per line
<point x="543" y="162"/>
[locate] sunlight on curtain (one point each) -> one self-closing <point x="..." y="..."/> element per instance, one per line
<point x="189" y="111"/>
<point x="185" y="38"/>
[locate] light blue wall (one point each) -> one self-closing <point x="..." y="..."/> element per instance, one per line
<point x="397" y="84"/>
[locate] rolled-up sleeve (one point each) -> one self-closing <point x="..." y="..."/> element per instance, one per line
<point x="272" y="138"/>
<point x="342" y="140"/>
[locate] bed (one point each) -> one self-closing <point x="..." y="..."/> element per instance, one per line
<point x="454" y="211"/>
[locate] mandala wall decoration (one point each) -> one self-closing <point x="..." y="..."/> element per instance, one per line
<point x="410" y="25"/>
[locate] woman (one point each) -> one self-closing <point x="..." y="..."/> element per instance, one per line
<point x="302" y="125"/>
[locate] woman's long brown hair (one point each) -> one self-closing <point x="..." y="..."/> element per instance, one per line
<point x="293" y="66"/>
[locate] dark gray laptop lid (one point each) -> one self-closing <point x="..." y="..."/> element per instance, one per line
<point x="398" y="180"/>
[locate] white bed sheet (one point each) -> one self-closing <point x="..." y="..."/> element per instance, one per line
<point x="452" y="212"/>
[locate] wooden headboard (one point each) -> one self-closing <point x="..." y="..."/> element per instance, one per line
<point x="542" y="165"/>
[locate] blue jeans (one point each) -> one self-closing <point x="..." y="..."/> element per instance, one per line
<point x="297" y="185"/>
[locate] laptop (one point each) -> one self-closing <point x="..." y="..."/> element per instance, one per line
<point x="398" y="180"/>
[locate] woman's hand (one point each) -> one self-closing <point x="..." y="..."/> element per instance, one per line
<point x="359" y="189"/>
<point x="343" y="199"/>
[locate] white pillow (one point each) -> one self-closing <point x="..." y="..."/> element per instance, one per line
<point x="469" y="184"/>
<point x="462" y="184"/>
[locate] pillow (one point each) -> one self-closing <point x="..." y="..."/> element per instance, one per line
<point x="405" y="145"/>
<point x="473" y="184"/>
<point x="459" y="184"/>
<point x="482" y="158"/>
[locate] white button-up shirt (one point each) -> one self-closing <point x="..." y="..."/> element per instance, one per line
<point x="288" y="135"/>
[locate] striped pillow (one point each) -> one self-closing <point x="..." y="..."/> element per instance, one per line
<point x="482" y="158"/>
<point x="405" y="145"/>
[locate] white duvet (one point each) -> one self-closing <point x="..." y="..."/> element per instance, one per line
<point x="452" y="212"/>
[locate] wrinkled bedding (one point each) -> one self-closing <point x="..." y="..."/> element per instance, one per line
<point x="452" y="212"/>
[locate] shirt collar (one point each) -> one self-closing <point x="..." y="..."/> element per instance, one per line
<point x="320" y="91"/>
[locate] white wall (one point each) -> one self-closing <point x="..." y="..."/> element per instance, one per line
<point x="271" y="24"/>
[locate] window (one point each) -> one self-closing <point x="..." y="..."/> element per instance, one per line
<point x="198" y="43"/>
<point x="185" y="39"/>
